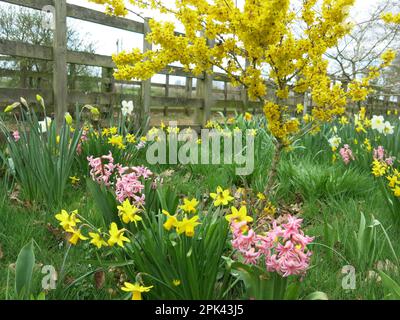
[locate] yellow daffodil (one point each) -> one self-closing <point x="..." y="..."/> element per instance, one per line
<point x="74" y="180"/>
<point x="343" y="120"/>
<point x="162" y="125"/>
<point x="187" y="226"/>
<point x="252" y="132"/>
<point x="367" y="144"/>
<point x="238" y="215"/>
<point x="189" y="206"/>
<point x="76" y="236"/>
<point x="67" y="221"/>
<point x="128" y="212"/>
<point x="131" y="138"/>
<point x="248" y="116"/>
<point x="176" y="282"/>
<point x="261" y="196"/>
<point x="379" y="168"/>
<point x="97" y="240"/>
<point x="396" y="191"/>
<point x="117" y="236"/>
<point x="269" y="210"/>
<point x="117" y="141"/>
<point x="230" y="120"/>
<point x="105" y="132"/>
<point x="221" y="197"/>
<point x="136" y="290"/>
<point x="393" y="180"/>
<point x="172" y="221"/>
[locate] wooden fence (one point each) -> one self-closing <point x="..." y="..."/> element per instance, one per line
<point x="198" y="93"/>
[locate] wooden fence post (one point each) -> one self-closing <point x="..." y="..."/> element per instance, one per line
<point x="72" y="77"/>
<point x="165" y="110"/>
<point x="205" y="90"/>
<point x="60" y="79"/>
<point x="188" y="89"/>
<point x="146" y="85"/>
<point x="108" y="86"/>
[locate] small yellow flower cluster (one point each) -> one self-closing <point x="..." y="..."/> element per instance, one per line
<point x="117" y="140"/>
<point x="382" y="169"/>
<point x="69" y="222"/>
<point x="361" y="121"/>
<point x="269" y="209"/>
<point x="107" y="132"/>
<point x="379" y="168"/>
<point x="185" y="225"/>
<point x="282" y="128"/>
<point x="212" y="125"/>
<point x="113" y="7"/>
<point x="391" y="18"/>
<point x="367" y="144"/>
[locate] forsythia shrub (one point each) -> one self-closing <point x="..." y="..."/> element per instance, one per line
<point x="265" y="34"/>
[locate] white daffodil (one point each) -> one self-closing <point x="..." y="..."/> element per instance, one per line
<point x="335" y="142"/>
<point x="378" y="123"/>
<point x="127" y="108"/>
<point x="388" y="128"/>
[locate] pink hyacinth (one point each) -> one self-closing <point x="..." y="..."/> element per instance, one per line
<point x="102" y="168"/>
<point x="389" y="161"/>
<point x="379" y="153"/>
<point x="126" y="181"/>
<point x="16" y="135"/>
<point x="140" y="145"/>
<point x="127" y="186"/>
<point x="284" y="247"/>
<point x="346" y="154"/>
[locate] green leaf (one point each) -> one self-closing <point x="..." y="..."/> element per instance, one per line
<point x="24" y="270"/>
<point x="390" y="285"/>
<point x="317" y="295"/>
<point x="104" y="201"/>
<point x="292" y="291"/>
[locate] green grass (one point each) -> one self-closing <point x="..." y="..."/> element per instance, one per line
<point x="331" y="197"/>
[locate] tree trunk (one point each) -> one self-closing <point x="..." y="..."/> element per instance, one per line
<point x="273" y="171"/>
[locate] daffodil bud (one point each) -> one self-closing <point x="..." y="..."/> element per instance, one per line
<point x="11" y="107"/>
<point x="68" y="118"/>
<point x="24" y="102"/>
<point x="93" y="110"/>
<point x="40" y="100"/>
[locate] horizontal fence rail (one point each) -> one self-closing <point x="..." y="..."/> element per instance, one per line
<point x="60" y="86"/>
